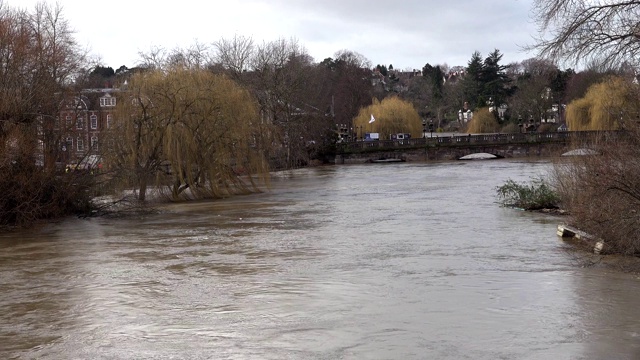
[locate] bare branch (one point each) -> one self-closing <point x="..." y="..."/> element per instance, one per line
<point x="580" y="32"/>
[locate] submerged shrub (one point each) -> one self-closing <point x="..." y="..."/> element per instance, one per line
<point x="535" y="195"/>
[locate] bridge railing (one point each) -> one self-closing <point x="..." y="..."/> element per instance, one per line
<point x="466" y="140"/>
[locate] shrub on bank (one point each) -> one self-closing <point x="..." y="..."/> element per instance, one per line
<point x="536" y="195"/>
<point x="602" y="192"/>
<point x="31" y="194"/>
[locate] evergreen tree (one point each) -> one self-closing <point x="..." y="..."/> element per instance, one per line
<point x="495" y="83"/>
<point x="559" y="81"/>
<point x="383" y="70"/>
<point x="435" y="77"/>
<point x="471" y="83"/>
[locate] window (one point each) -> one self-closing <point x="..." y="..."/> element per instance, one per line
<point x="69" y="145"/>
<point x="80" y="144"/>
<point x="109" y="120"/>
<point x="56" y="123"/>
<point x="80" y="123"/>
<point x="94" y="143"/>
<point x="68" y="118"/>
<point x="107" y="101"/>
<point x="94" y="122"/>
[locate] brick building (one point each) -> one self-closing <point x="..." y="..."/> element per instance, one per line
<point x="79" y="128"/>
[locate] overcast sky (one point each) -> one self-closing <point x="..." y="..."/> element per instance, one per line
<point x="404" y="33"/>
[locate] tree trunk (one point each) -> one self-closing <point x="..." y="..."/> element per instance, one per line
<point x="142" y="194"/>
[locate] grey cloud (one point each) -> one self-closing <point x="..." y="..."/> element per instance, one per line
<point x="412" y="33"/>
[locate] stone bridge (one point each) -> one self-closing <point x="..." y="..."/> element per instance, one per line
<point x="521" y="145"/>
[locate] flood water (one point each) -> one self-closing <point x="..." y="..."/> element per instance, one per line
<point x="376" y="261"/>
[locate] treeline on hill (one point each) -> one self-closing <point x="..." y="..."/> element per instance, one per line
<point x="213" y="120"/>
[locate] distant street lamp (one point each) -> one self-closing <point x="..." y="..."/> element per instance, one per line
<point x="520" y="123"/>
<point x="431" y="127"/>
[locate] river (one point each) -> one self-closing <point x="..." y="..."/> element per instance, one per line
<point x="375" y="261"/>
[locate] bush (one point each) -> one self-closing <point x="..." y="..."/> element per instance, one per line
<point x="602" y="192"/>
<point x="31" y="192"/>
<point x="536" y="195"/>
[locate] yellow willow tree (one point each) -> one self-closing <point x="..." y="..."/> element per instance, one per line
<point x="483" y="121"/>
<point x="605" y="106"/>
<point x="189" y="134"/>
<point x="392" y="116"/>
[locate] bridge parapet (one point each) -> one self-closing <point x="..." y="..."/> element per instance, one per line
<point x="466" y="141"/>
<point x="455" y="147"/>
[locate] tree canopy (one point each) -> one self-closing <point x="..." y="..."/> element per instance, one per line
<point x="185" y="128"/>
<point x="483" y="121"/>
<point x="606" y="106"/>
<point x="392" y="116"/>
<point x="486" y="80"/>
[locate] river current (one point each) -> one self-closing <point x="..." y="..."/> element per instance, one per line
<point x="375" y="261"/>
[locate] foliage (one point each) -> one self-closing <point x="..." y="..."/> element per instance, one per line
<point x="392" y="116"/>
<point x="535" y="195"/>
<point x="435" y="78"/>
<point x="188" y="129"/>
<point x="486" y="81"/>
<point x="382" y="69"/>
<point x="472" y="80"/>
<point x="559" y="84"/>
<point x="483" y="121"/>
<point x="604" y="106"/>
<point x="496" y="84"/>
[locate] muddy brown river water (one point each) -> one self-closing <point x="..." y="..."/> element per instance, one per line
<point x="377" y="261"/>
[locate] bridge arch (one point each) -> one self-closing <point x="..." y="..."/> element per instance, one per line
<point x="481" y="156"/>
<point x="581" y="152"/>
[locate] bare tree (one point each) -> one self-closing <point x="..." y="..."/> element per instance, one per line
<point x="601" y="192"/>
<point x="352" y="90"/>
<point x="353" y="58"/>
<point x="156" y="57"/>
<point x="533" y="98"/>
<point x="39" y="59"/>
<point x="280" y="76"/>
<point x="605" y="32"/>
<point x="234" y="54"/>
